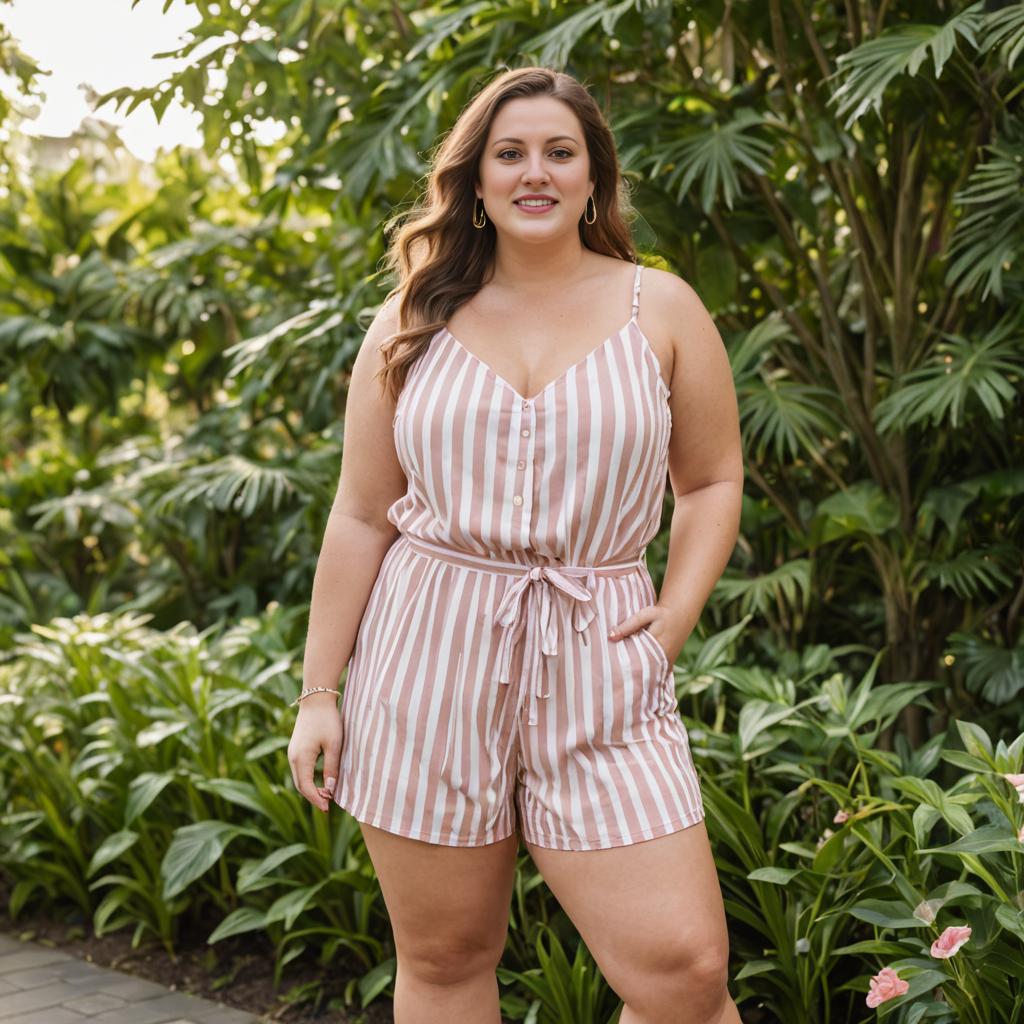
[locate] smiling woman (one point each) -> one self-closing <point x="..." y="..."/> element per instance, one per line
<point x="510" y="666"/>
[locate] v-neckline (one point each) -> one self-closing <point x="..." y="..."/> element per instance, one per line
<point x="551" y="383"/>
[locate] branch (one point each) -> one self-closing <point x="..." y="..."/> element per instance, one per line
<point x="780" y="503"/>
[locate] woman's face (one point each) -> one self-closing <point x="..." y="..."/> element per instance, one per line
<point x="535" y="146"/>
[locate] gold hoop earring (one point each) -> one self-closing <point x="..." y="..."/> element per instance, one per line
<point x="483" y="214"/>
<point x="590" y="203"/>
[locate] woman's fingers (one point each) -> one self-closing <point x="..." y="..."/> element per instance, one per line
<point x="632" y="623"/>
<point x="303" y="765"/>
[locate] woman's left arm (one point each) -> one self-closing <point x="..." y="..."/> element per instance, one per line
<point x="705" y="465"/>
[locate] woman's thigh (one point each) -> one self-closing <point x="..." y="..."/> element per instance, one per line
<point x="448" y="905"/>
<point x="644" y="908"/>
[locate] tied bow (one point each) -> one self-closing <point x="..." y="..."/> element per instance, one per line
<point x="543" y="638"/>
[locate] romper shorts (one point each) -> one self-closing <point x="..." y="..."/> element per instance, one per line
<point x="484" y="697"/>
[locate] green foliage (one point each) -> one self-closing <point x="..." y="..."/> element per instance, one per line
<point x="143" y="778"/>
<point x="807" y="754"/>
<point x="901" y="50"/>
<point x="559" y="991"/>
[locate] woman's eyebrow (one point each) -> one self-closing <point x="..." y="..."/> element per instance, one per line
<point x="554" y="138"/>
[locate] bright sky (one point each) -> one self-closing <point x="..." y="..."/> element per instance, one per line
<point x="105" y="44"/>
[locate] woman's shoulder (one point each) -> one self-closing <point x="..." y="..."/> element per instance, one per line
<point x="673" y="318"/>
<point x="663" y="286"/>
<point x="671" y="303"/>
<point x="386" y="321"/>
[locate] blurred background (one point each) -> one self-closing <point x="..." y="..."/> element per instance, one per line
<point x="194" y="201"/>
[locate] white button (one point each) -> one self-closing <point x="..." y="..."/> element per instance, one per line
<point x="526" y="433"/>
<point x="517" y="500"/>
<point x="521" y="464"/>
<point x="526" y="403"/>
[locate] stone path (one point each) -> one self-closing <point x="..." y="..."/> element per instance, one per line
<point x="39" y="985"/>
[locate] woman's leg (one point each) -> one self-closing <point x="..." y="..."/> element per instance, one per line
<point x="652" y="916"/>
<point x="449" y="910"/>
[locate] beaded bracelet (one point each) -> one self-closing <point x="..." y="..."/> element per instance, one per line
<point x="312" y="689"/>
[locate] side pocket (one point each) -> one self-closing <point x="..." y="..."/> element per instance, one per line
<point x="663" y="699"/>
<point x="657" y="648"/>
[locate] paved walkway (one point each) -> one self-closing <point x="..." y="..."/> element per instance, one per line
<point x="39" y="985"/>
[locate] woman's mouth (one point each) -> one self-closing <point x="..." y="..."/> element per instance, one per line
<point x="535" y="205"/>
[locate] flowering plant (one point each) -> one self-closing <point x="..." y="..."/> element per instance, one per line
<point x="962" y="939"/>
<point x="893" y="876"/>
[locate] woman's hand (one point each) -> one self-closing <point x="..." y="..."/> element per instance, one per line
<point x="317" y="729"/>
<point x="659" y="623"/>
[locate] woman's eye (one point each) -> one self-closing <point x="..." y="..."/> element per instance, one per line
<point x="559" y="150"/>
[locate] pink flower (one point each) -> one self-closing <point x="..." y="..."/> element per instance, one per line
<point x="950" y="941"/>
<point x="886" y="985"/>
<point x="840" y="817"/>
<point x="1017" y="781"/>
<point x="1020" y="834"/>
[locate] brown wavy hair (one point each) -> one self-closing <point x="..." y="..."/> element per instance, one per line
<point x="441" y="259"/>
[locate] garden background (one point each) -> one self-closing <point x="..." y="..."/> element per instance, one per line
<point x="841" y="182"/>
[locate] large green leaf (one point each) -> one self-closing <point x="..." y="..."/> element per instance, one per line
<point x="886" y="913"/>
<point x="868" y="70"/>
<point x="987" y="839"/>
<point x="194" y="850"/>
<point x="986" y="369"/>
<point x="861" y="508"/>
<point x="712" y="154"/>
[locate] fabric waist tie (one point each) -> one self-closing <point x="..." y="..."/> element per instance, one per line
<point x="543" y="636"/>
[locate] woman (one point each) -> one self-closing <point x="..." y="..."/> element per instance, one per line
<point x="511" y="665"/>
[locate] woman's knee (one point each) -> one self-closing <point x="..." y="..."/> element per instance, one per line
<point x="673" y="975"/>
<point x="450" y="959"/>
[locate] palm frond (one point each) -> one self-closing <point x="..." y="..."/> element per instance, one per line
<point x="554" y="46"/>
<point x="236" y="483"/>
<point x="996" y="672"/>
<point x="988" y="369"/>
<point x="872" y="66"/>
<point x="788" y="585"/>
<point x="713" y="155"/>
<point x="745" y="356"/>
<point x="317" y="317"/>
<point x="437" y="30"/>
<point x="989" y="237"/>
<point x="784" y="416"/>
<point x="86" y="510"/>
<point x="971" y="572"/>
<point x="1005" y="28"/>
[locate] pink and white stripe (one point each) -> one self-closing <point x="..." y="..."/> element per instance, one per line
<point x="482" y="687"/>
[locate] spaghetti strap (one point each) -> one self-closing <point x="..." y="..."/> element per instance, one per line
<point x="636" y="290"/>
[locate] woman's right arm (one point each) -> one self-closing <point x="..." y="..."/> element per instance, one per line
<point x="356" y="539"/>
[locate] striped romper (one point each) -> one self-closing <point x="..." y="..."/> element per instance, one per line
<point x="482" y="687"/>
